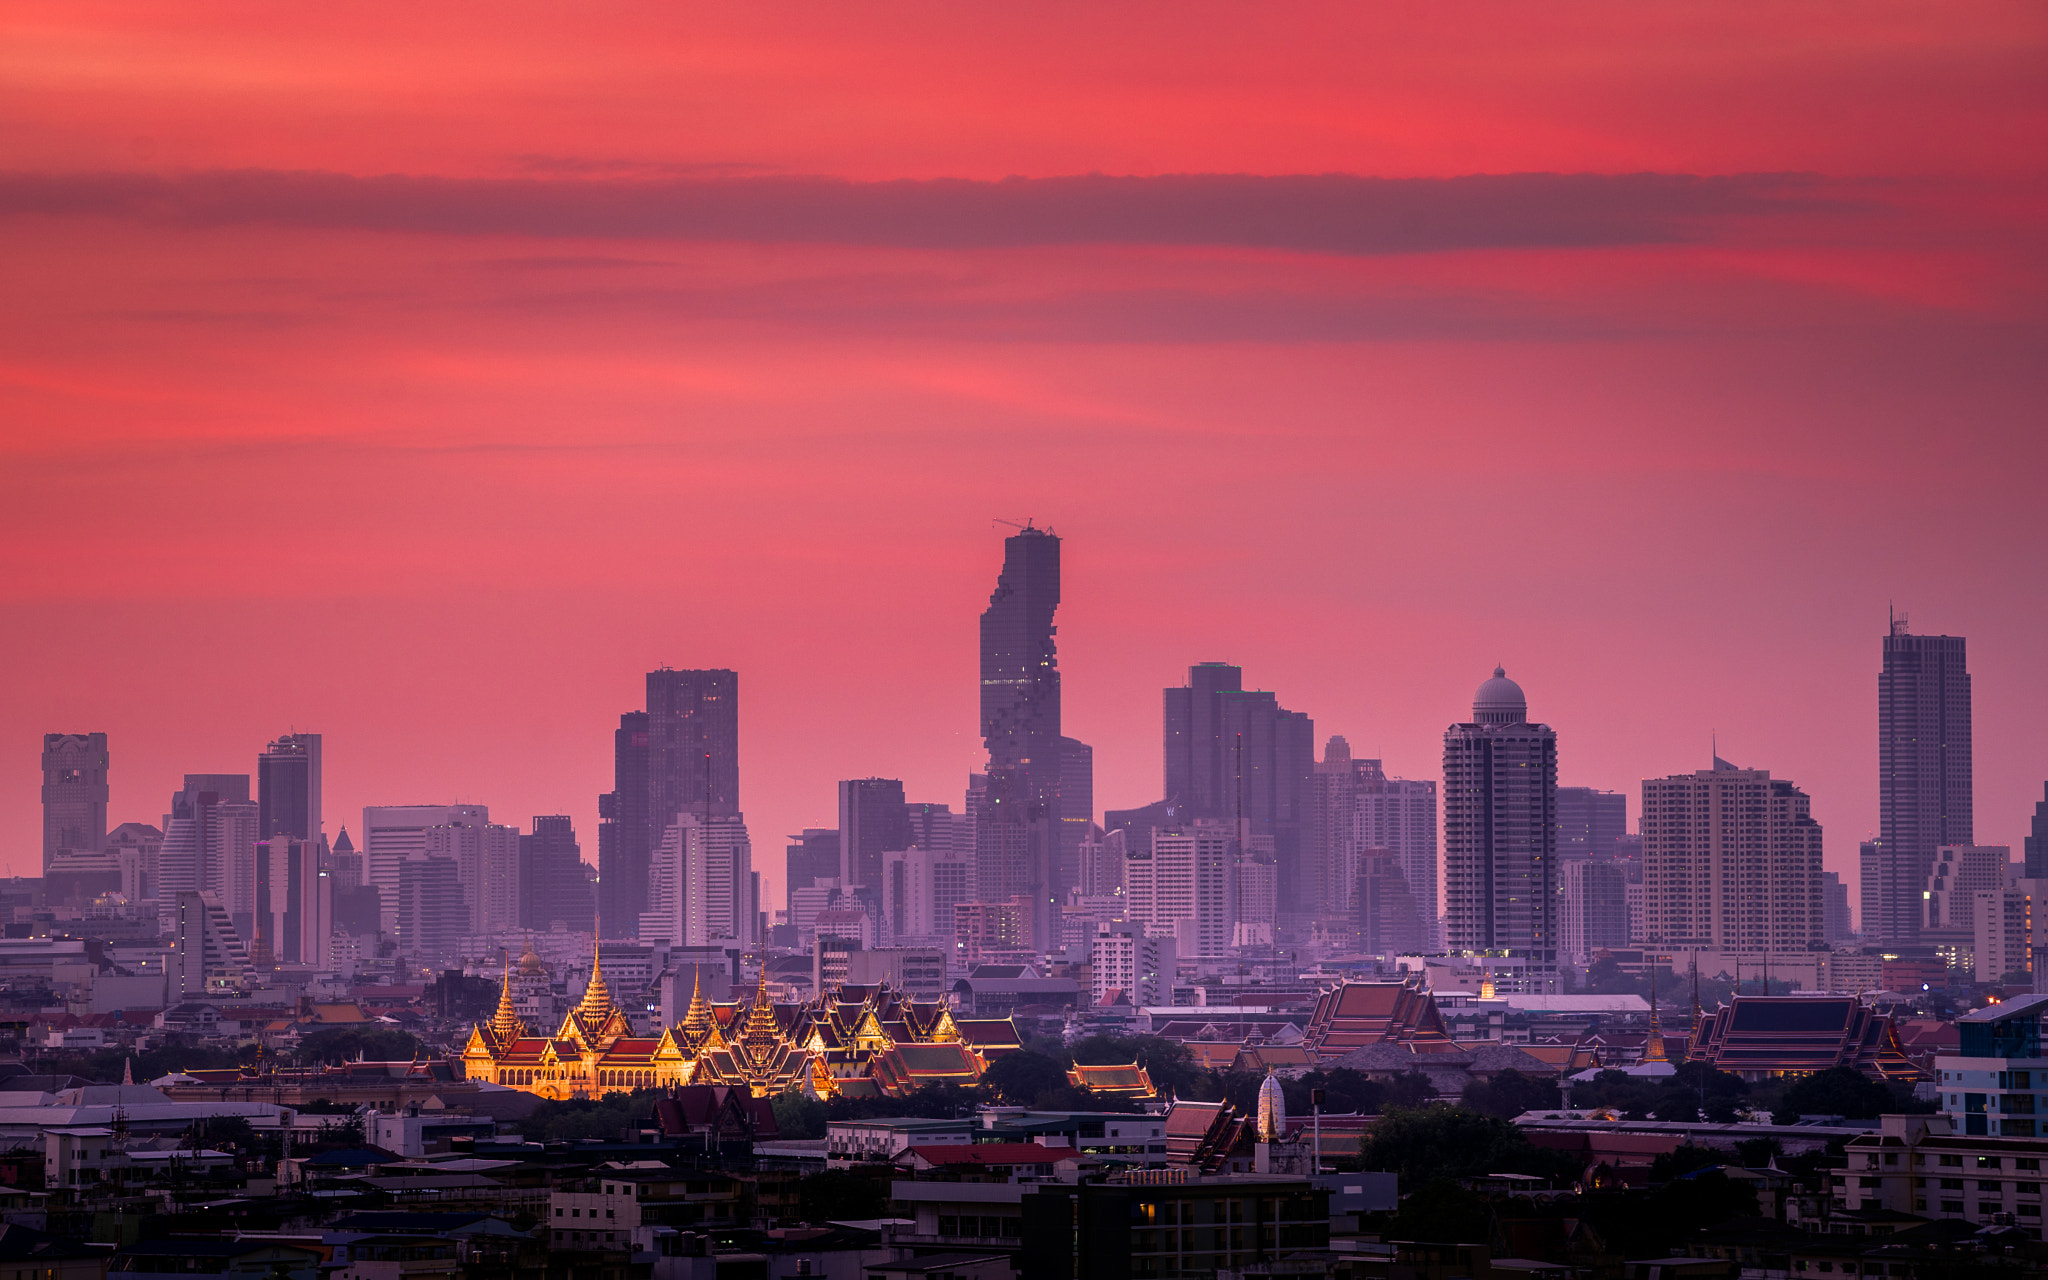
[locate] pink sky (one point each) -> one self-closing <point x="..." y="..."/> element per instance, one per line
<point x="424" y="376"/>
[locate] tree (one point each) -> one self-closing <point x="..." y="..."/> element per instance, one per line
<point x="1510" y="1093"/>
<point x="345" y="1044"/>
<point x="575" y="1118"/>
<point x="1838" y="1091"/>
<point x="1453" y="1142"/>
<point x="842" y="1195"/>
<point x="1442" y="1212"/>
<point x="1018" y="1078"/>
<point x="798" y="1115"/>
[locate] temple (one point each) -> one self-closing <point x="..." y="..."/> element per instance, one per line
<point x="856" y="1041"/>
<point x="1757" y="1037"/>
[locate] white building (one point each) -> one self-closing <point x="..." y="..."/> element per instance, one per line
<point x="1959" y="873"/>
<point x="920" y="887"/>
<point x="2010" y="930"/>
<point x="1399" y="815"/>
<point x="393" y="834"/>
<point x="700" y="884"/>
<point x="1123" y="957"/>
<point x="1185" y="889"/>
<point x="206" y="953"/>
<point x="486" y="857"/>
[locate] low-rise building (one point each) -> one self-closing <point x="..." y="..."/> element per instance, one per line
<point x="1996" y="1084"/>
<point x="1921" y="1165"/>
<point x="882" y="1140"/>
<point x="619" y="1205"/>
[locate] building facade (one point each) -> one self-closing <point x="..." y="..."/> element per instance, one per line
<point x="288" y="787"/>
<point x="1500" y="835"/>
<point x="873" y="820"/>
<point x="552" y="883"/>
<point x="1731" y="862"/>
<point x="1016" y="838"/>
<point x="74" y="793"/>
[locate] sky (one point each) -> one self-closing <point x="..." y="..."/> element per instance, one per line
<point x="423" y="376"/>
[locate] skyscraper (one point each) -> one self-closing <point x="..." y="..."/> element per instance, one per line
<point x="701" y="885"/>
<point x="288" y="787"/>
<point x="812" y="855"/>
<point x="1016" y="850"/>
<point x="74" y="793"/>
<point x="1923" y="772"/>
<point x="1592" y="906"/>
<point x="873" y="820"/>
<point x="552" y="885"/>
<point x="1500" y="834"/>
<point x="2035" y="846"/>
<point x="1227" y="747"/>
<point x="693" y="745"/>
<point x="1399" y="816"/>
<point x="1077" y="809"/>
<point x="1330" y="837"/>
<point x="396" y="835"/>
<point x="1835" y="926"/>
<point x="624" y="840"/>
<point x="1731" y="861"/>
<point x="1589" y="821"/>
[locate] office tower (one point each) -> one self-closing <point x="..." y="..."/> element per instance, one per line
<point x="1257" y="891"/>
<point x="624" y="840"/>
<point x="701" y="888"/>
<point x="809" y="858"/>
<point x="74" y="793"/>
<point x="137" y="848"/>
<point x="207" y="954"/>
<point x="431" y="916"/>
<point x="693" y="746"/>
<point x="1835" y="925"/>
<point x="294" y="915"/>
<point x="1383" y="910"/>
<point x="920" y="888"/>
<point x="209" y="843"/>
<point x="1228" y="748"/>
<point x="396" y="834"/>
<point x="2035" y="846"/>
<point x="936" y="826"/>
<point x="1077" y="810"/>
<point x="1960" y="872"/>
<point x="1592" y="910"/>
<point x="1731" y="861"/>
<point x="1016" y="851"/>
<point x="1399" y="816"/>
<point x="486" y="858"/>
<point x="872" y="821"/>
<point x="552" y="886"/>
<point x="1500" y="835"/>
<point x="990" y="932"/>
<point x="345" y="863"/>
<point x="1924" y="774"/>
<point x="1123" y="957"/>
<point x="1589" y="822"/>
<point x="228" y="843"/>
<point x="288" y="787"/>
<point x="1186" y="886"/>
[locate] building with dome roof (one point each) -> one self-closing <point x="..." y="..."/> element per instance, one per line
<point x="1500" y="836"/>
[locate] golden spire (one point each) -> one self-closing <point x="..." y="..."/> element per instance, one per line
<point x="597" y="998"/>
<point x="1653" y="1048"/>
<point x="761" y="1024"/>
<point x="697" y="1021"/>
<point x="506" y="1025"/>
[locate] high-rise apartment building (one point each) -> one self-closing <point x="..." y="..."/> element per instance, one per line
<point x="701" y="887"/>
<point x="1960" y="872"/>
<point x="920" y="887"/>
<point x="431" y="916"/>
<point x="1230" y="750"/>
<point x="1731" y="861"/>
<point x="1329" y="843"/>
<point x="207" y="954"/>
<point x="624" y="835"/>
<point x="2035" y="846"/>
<point x="1016" y="841"/>
<point x="810" y="858"/>
<point x="693" y="746"/>
<point x="294" y="903"/>
<point x="1102" y="864"/>
<point x="288" y="787"/>
<point x="209" y="844"/>
<point x="2010" y="925"/>
<point x="1399" y="816"/>
<point x="487" y="864"/>
<point x="1589" y="822"/>
<point x="873" y="820"/>
<point x="1500" y="835"/>
<point x="74" y="793"/>
<point x="1077" y="810"/>
<point x="552" y="883"/>
<point x="1383" y="907"/>
<point x="394" y="835"/>
<point x="1924" y="773"/>
<point x="1186" y="886"/>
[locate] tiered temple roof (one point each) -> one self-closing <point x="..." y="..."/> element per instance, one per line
<point x="1353" y="1015"/>
<point x="1121" y="1081"/>
<point x="1760" y="1036"/>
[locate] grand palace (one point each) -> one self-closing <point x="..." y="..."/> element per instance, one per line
<point x="855" y="1041"/>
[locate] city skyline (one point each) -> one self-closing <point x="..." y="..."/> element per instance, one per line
<point x="1363" y="362"/>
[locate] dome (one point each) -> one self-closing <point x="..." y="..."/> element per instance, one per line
<point x="1272" y="1117"/>
<point x="1499" y="701"/>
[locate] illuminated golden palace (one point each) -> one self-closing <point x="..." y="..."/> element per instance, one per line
<point x="856" y="1041"/>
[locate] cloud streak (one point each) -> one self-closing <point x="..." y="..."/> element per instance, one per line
<point x="1322" y="213"/>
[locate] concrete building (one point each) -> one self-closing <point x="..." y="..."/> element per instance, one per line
<point x="1329" y="842"/>
<point x="74" y="793"/>
<point x="486" y="858"/>
<point x="1589" y="821"/>
<point x="1500" y="835"/>
<point x="919" y="890"/>
<point x="2035" y="847"/>
<point x="553" y="886"/>
<point x="2010" y="931"/>
<point x="1102" y="864"/>
<point x="1835" y="924"/>
<point x="919" y="972"/>
<point x="1185" y="888"/>
<point x="1592" y="908"/>
<point x="207" y="954"/>
<point x="430" y="913"/>
<point x="1930" y="1167"/>
<point x="293" y="920"/>
<point x="1399" y="816"/>
<point x="1731" y="861"/>
<point x="1996" y="1083"/>
<point x="1077" y="811"/>
<point x="1924" y="774"/>
<point x="624" y="843"/>
<point x="1016" y="835"/>
<point x="394" y="834"/>
<point x="288" y="787"/>
<point x="1122" y="956"/>
<point x="873" y="819"/>
<point x="810" y="857"/>
<point x="1959" y="873"/>
<point x="1384" y="911"/>
<point x="701" y="885"/>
